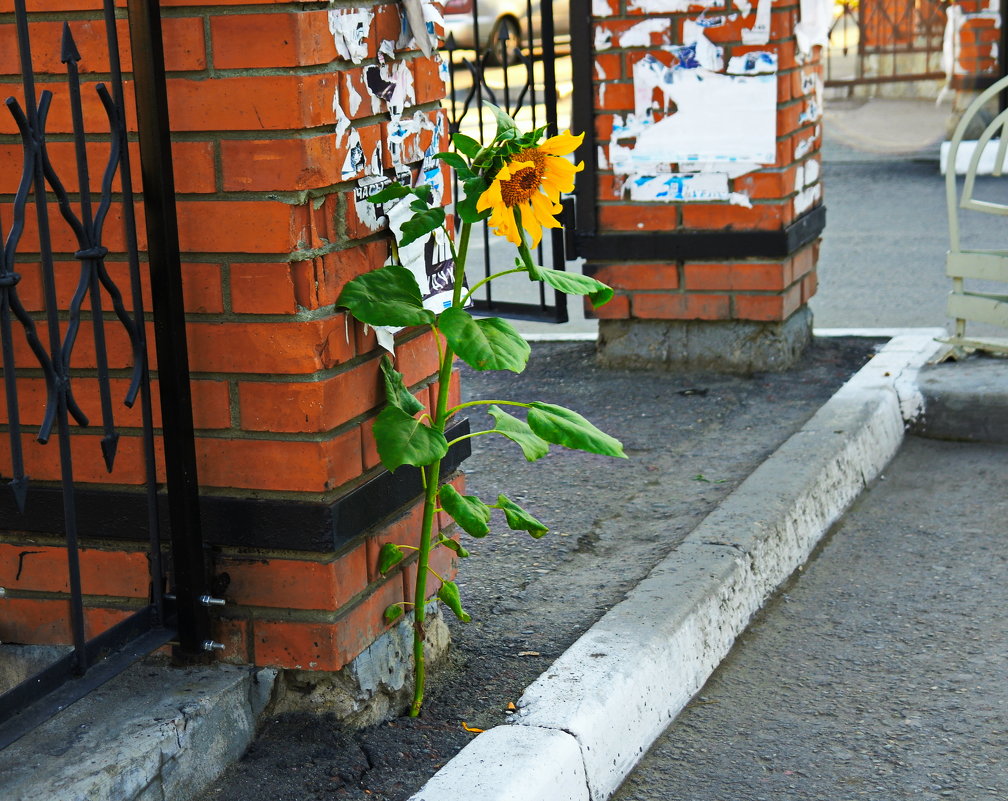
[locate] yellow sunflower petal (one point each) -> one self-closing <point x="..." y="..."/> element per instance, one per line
<point x="545" y="210"/>
<point x="502" y="223"/>
<point x="530" y="223"/>
<point x="490" y="198"/>
<point x="561" y="144"/>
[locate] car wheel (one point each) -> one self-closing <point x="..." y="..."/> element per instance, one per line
<point x="504" y="47"/>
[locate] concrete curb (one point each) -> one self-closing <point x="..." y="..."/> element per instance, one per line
<point x="151" y="748"/>
<point x="621" y="684"/>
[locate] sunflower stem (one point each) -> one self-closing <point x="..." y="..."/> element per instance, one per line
<point x="432" y="474"/>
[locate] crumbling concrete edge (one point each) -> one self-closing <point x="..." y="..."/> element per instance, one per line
<point x="616" y="689"/>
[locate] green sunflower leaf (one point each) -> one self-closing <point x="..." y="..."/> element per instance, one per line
<point x="392" y="613"/>
<point x="507" y="128"/>
<point x="472" y="190"/>
<point x="466" y="145"/>
<point x="402" y="439"/>
<point x="448" y="594"/>
<point x="393" y="191"/>
<point x="386" y="296"/>
<point x="452" y="545"/>
<point x="576" y="284"/>
<point x="421" y="224"/>
<point x="486" y="344"/>
<point x="516" y="430"/>
<point x="453" y="160"/>
<point x="520" y="520"/>
<point x="389" y="556"/>
<point x="563" y="427"/>
<point x="395" y="390"/>
<point x="468" y="511"/>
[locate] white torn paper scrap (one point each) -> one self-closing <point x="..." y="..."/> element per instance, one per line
<point x="601" y="8"/>
<point x="815" y="18"/>
<point x="350" y="28"/>
<point x="639" y="35"/>
<point x="759" y="33"/>
<point x="672" y="6"/>
<point x="758" y="62"/>
<point x="603" y="38"/>
<point x="697" y="49"/>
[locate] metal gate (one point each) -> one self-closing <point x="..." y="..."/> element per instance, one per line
<point x="885" y="41"/>
<point x="505" y="52"/>
<point x="43" y="343"/>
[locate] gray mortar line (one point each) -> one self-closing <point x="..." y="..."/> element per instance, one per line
<point x="587" y="720"/>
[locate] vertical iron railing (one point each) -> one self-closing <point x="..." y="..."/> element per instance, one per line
<point x="166" y="617"/>
<point x="519" y="77"/>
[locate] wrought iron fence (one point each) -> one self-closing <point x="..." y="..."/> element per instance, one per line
<point x="885" y="41"/>
<point x="171" y="613"/>
<point x="505" y="52"/>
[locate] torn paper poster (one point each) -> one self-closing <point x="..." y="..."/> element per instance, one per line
<point x="677" y="186"/>
<point x="429" y="259"/>
<point x="350" y="28"/>
<point x="601" y="8"/>
<point x="759" y="33"/>
<point x="697" y="50"/>
<point x="673" y="6"/>
<point x="815" y="18"/>
<point x="717" y="118"/>
<point x="603" y="38"/>
<point x="404" y="137"/>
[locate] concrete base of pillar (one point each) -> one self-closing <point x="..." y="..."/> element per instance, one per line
<point x="734" y="346"/>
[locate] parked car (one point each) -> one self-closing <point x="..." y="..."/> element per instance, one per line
<point x="499" y="21"/>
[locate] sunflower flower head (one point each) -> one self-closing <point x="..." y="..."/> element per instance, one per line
<point x="527" y="189"/>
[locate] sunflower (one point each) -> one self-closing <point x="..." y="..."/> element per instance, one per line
<point x="527" y="188"/>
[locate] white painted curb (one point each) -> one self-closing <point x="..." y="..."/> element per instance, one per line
<point x="616" y="689"/>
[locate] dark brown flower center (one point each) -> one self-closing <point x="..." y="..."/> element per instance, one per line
<point x="525" y="181"/>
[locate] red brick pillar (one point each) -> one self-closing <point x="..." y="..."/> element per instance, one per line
<point x="706" y="182"/>
<point x="283" y="116"/>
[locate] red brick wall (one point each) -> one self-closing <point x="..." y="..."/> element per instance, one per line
<point x="770" y="197"/>
<point x="978" y="38"/>
<point x="265" y="110"/>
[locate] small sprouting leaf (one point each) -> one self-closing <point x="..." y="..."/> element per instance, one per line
<point x="466" y="145"/>
<point x="468" y="511"/>
<point x="421" y="224"/>
<point x="465" y="207"/>
<point x="486" y="344"/>
<point x="386" y="296"/>
<point x="516" y="430"/>
<point x="520" y="520"/>
<point x="452" y="545"/>
<point x="453" y="160"/>
<point x="393" y="191"/>
<point x="449" y="595"/>
<point x="393" y="613"/>
<point x="389" y="556"/>
<point x="402" y="439"/>
<point x="507" y="128"/>
<point x="563" y="427"/>
<point x="576" y="284"/>
<point x="395" y="390"/>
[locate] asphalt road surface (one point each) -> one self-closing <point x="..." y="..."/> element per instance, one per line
<point x="879" y="671"/>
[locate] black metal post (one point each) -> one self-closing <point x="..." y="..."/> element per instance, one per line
<point x="583" y="112"/>
<point x="190" y="573"/>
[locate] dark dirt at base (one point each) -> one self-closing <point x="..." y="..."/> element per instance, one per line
<point x="691" y="439"/>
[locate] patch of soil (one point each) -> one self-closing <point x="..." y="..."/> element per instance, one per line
<point x="691" y="438"/>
